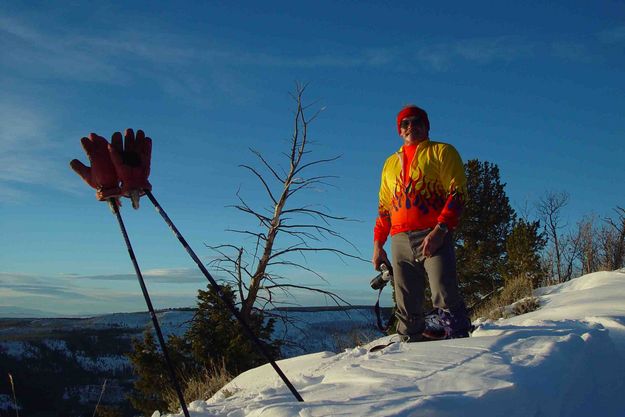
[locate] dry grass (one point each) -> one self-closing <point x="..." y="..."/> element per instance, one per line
<point x="516" y="298"/>
<point x="352" y="338"/>
<point x="17" y="413"/>
<point x="200" y="386"/>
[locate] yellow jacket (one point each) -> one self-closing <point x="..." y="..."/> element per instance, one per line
<point x="434" y="193"/>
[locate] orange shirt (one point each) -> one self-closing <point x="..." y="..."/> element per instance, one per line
<point x="408" y="156"/>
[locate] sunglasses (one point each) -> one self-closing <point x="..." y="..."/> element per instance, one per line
<point x="416" y="121"/>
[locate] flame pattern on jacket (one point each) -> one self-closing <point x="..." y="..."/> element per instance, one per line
<point x="434" y="192"/>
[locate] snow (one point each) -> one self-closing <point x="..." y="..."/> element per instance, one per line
<point x="565" y="359"/>
<point x="110" y="363"/>
<point x="18" y="349"/>
<point x="86" y="394"/>
<point x="6" y="403"/>
<point x="58" y="346"/>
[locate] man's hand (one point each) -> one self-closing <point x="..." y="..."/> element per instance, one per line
<point x="433" y="241"/>
<point x="101" y="175"/>
<point x="132" y="159"/>
<point x="379" y="256"/>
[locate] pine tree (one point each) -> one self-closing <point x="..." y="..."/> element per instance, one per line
<point x="523" y="248"/>
<point x="150" y="368"/>
<point x="215" y="334"/>
<point x="481" y="235"/>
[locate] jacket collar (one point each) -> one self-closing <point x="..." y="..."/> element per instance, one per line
<point x="401" y="148"/>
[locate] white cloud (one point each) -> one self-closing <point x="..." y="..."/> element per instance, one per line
<point x="69" y="295"/>
<point x="191" y="65"/>
<point x="613" y="35"/>
<point x="31" y="51"/>
<point x="162" y="275"/>
<point x="120" y="55"/>
<point x="574" y="51"/>
<point x="440" y="56"/>
<point x="492" y="49"/>
<point x="26" y="150"/>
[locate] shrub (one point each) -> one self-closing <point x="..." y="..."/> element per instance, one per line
<point x="516" y="289"/>
<point x="355" y="337"/>
<point x="199" y="386"/>
<point x="514" y="299"/>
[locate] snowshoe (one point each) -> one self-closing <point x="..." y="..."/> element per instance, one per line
<point x="442" y="324"/>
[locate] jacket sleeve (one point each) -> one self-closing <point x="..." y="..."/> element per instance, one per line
<point x="383" y="222"/>
<point x="455" y="181"/>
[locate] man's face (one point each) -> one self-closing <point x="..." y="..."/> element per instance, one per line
<point x="413" y="130"/>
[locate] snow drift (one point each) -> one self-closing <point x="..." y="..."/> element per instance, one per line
<point x="565" y="359"/>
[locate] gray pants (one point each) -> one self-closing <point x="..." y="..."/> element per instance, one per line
<point x="411" y="268"/>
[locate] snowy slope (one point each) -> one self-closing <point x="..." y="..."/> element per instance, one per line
<point x="566" y="359"/>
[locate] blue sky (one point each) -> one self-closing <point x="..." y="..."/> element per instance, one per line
<point x="536" y="88"/>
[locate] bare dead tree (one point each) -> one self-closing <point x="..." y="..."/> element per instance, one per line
<point x="548" y="265"/>
<point x="571" y="253"/>
<point x="589" y="255"/>
<point x="550" y="209"/>
<point x="303" y="227"/>
<point x="612" y="241"/>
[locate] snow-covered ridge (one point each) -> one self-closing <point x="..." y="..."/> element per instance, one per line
<point x="565" y="359"/>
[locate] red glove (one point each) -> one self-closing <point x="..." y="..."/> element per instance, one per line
<point x="101" y="175"/>
<point x="132" y="161"/>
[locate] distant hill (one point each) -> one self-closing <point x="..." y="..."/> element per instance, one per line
<point x="13" y="311"/>
<point x="327" y="308"/>
<point x="61" y="363"/>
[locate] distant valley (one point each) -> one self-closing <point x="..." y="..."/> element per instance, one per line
<point x="59" y="365"/>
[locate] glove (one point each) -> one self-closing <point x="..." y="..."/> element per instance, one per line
<point x="132" y="161"/>
<point x="101" y="175"/>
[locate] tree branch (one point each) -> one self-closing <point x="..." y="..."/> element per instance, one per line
<point x="267" y="165"/>
<point x="297" y="265"/>
<point x="333" y="296"/>
<point x="315" y="213"/>
<point x="260" y="177"/>
<point x="260" y="236"/>
<point x="331" y="250"/>
<point x="319" y="161"/>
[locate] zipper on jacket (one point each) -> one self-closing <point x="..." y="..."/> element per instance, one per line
<point x="400" y="155"/>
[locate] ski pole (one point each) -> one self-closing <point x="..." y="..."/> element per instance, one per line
<point x="219" y="292"/>
<point x="157" y="327"/>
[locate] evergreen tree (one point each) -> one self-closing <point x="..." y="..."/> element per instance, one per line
<point x="214" y="337"/>
<point x="523" y="248"/>
<point x="152" y="378"/>
<point x="215" y="334"/>
<point x="481" y="235"/>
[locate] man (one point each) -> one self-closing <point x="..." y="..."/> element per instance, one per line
<point x="422" y="192"/>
